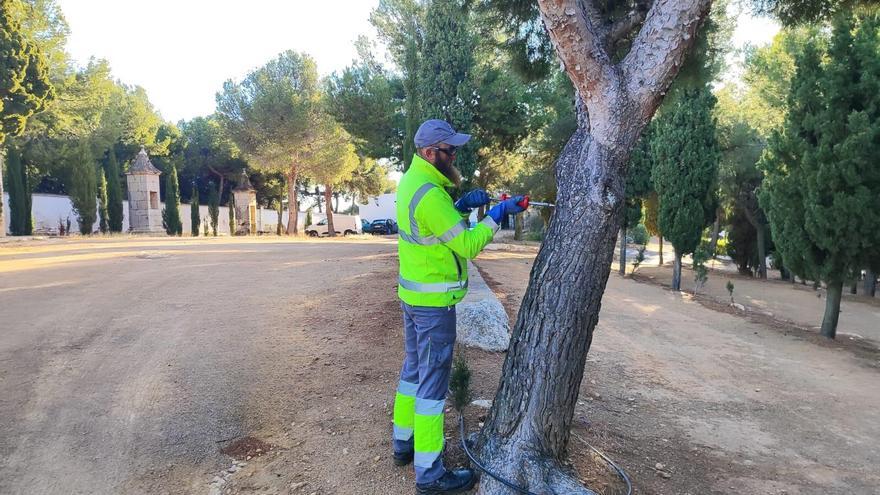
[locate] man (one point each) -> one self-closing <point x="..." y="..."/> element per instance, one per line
<point x="435" y="243"/>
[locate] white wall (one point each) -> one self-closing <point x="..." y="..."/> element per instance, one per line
<point x="47" y="209"/>
<point x="384" y="206"/>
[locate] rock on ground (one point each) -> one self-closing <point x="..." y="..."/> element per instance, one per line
<point x="481" y="319"/>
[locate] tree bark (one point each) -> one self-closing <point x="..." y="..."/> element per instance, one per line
<point x="526" y="433"/>
<point x="762" y="251"/>
<point x="676" y="272"/>
<point x="870" y="283"/>
<point x="661" y="250"/>
<point x="318" y="199"/>
<point x="328" y="198"/>
<point x="832" y="309"/>
<point x="716" y="228"/>
<point x="222" y="181"/>
<point x="518" y="227"/>
<point x="622" y="257"/>
<point x="2" y="209"/>
<point x="292" y="202"/>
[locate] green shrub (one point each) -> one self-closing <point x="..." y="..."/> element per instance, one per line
<point x="639" y="234"/>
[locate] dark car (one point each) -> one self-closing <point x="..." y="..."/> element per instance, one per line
<point x="383" y="226"/>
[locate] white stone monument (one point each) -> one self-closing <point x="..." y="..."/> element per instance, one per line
<point x="144" y="211"/>
<point x="245" y="206"/>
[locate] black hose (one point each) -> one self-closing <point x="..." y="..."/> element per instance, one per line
<point x="482" y="468"/>
<point x="519" y="489"/>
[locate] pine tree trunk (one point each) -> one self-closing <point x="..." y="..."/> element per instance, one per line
<point x="870" y="283"/>
<point x="328" y="197"/>
<point x="832" y="309"/>
<point x="854" y="287"/>
<point x="292" y="202"/>
<point x="527" y="431"/>
<point x="318" y="199"/>
<point x="661" y="251"/>
<point x="676" y="272"/>
<point x="518" y="227"/>
<point x="2" y="209"/>
<point x="622" y="261"/>
<point x="762" y="251"/>
<point x="716" y="228"/>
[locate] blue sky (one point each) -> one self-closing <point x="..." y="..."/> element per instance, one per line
<point x="181" y="51"/>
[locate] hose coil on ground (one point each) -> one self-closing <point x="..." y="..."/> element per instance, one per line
<point x="519" y="489"/>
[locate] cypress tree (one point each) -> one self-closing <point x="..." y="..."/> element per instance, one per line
<point x="231" y="207"/>
<point x="194" y="217"/>
<point x="821" y="177"/>
<point x="114" y="192"/>
<point x="20" y="221"/>
<point x="213" y="207"/>
<point x="171" y="213"/>
<point x="446" y="78"/>
<point x="686" y="156"/>
<point x="82" y="186"/>
<point x="638" y="185"/>
<point x="102" y="200"/>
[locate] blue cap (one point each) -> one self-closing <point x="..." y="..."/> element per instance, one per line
<point x="437" y="131"/>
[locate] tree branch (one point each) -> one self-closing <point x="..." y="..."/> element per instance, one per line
<point x="579" y="42"/>
<point x="659" y="49"/>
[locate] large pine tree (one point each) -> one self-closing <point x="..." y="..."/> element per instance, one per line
<point x="822" y="180"/>
<point x="114" y="192"/>
<point x="686" y="154"/>
<point x="447" y="74"/>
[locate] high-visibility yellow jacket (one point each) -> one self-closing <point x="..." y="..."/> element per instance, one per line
<point x="435" y="239"/>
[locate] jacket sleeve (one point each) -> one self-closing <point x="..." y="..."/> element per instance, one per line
<point x="438" y="214"/>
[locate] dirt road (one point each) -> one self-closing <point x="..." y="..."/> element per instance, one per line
<point x="724" y="404"/>
<point x="127" y="365"/>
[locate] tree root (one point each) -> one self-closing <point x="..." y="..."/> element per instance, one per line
<point x="536" y="473"/>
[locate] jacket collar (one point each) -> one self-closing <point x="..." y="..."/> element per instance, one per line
<point x="426" y="168"/>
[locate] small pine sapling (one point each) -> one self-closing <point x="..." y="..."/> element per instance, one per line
<point x="460" y="382"/>
<point x="730" y="291"/>
<point x="640" y="257"/>
<point x="701" y="273"/>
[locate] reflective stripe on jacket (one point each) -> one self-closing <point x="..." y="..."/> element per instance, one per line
<point x="435" y="239"/>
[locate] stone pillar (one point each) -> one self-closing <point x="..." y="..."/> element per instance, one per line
<point x="144" y="207"/>
<point x="245" y="206"/>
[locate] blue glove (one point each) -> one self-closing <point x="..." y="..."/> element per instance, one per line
<point x="473" y="199"/>
<point x="506" y="207"/>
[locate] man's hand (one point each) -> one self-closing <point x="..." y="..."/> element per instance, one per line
<point x="473" y="199"/>
<point x="509" y="206"/>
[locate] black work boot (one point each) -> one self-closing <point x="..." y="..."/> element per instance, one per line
<point x="457" y="481"/>
<point x="402" y="458"/>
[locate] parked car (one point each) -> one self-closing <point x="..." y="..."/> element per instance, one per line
<point x="365" y="226"/>
<point x="342" y="224"/>
<point x="383" y="226"/>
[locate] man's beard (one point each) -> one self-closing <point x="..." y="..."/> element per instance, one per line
<point x="446" y="168"/>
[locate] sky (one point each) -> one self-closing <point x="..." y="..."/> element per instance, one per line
<point x="182" y="51"/>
